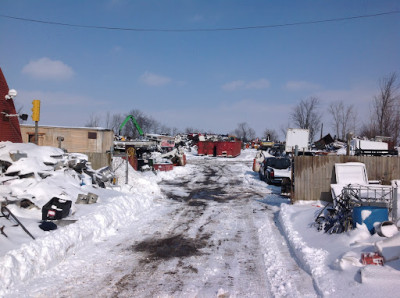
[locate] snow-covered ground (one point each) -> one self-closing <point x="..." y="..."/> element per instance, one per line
<point x="94" y="255"/>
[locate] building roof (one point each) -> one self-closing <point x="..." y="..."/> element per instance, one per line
<point x="68" y="127"/>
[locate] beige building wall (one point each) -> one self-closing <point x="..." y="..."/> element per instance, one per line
<point x="76" y="139"/>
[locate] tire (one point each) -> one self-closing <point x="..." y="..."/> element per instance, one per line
<point x="267" y="179"/>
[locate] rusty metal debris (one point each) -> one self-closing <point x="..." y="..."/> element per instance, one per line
<point x="2" y="231"/>
<point x="6" y="213"/>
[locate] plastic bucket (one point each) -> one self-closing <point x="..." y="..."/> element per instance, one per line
<point x="369" y="215"/>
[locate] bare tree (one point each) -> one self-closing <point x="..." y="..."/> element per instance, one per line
<point x="305" y="115"/>
<point x="107" y="120"/>
<point x="175" y="131"/>
<point x="146" y="124"/>
<point x="116" y="121"/>
<point x="93" y="121"/>
<point x="165" y="130"/>
<point x="244" y="132"/>
<point x="189" y="130"/>
<point x="385" y="107"/>
<point x="343" y="118"/>
<point x="368" y="130"/>
<point x="284" y="129"/>
<point x="270" y="134"/>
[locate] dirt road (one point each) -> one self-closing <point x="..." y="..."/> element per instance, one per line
<point x="217" y="235"/>
<point x="221" y="238"/>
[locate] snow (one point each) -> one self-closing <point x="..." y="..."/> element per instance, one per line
<point x="365" y="214"/>
<point x="316" y="264"/>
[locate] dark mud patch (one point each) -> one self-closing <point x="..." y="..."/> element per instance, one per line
<point x="172" y="247"/>
<point x="197" y="203"/>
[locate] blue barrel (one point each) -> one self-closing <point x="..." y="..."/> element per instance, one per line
<point x="378" y="214"/>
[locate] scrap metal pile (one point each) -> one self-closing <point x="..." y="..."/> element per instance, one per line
<point x="27" y="169"/>
<point x="356" y="201"/>
<point x="337" y="217"/>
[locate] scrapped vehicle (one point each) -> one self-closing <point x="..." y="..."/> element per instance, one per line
<point x="274" y="169"/>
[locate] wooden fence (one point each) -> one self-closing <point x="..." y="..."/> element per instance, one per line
<point x="313" y="175"/>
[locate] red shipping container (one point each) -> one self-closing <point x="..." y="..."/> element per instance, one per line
<point x="205" y="148"/>
<point x="229" y="149"/>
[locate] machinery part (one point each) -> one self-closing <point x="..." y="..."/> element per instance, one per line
<point x="130" y="117"/>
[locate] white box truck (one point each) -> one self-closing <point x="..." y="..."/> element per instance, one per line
<point x="297" y="137"/>
<point x="367" y="147"/>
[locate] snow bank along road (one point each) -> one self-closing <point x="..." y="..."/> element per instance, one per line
<point x="213" y="234"/>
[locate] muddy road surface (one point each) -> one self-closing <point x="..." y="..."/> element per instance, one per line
<point x="216" y="234"/>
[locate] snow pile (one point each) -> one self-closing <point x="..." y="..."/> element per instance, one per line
<point x="22" y="258"/>
<point x="334" y="260"/>
<point x="314" y="260"/>
<point x="330" y="263"/>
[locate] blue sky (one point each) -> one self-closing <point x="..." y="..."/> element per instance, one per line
<point x="210" y="80"/>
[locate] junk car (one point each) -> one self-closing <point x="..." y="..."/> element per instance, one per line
<point x="274" y="169"/>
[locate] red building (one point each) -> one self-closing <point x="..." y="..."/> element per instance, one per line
<point x="9" y="125"/>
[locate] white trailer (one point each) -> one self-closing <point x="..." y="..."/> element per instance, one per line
<point x="368" y="145"/>
<point x="297" y="137"/>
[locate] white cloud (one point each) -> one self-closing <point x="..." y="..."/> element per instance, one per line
<point x="45" y="68"/>
<point x="259" y="84"/>
<point x="234" y="85"/>
<point x="152" y="79"/>
<point x="240" y="85"/>
<point x="301" y="85"/>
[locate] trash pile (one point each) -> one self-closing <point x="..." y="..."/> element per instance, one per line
<point x="358" y="204"/>
<point x="370" y="209"/>
<point x="356" y="200"/>
<point x="23" y="176"/>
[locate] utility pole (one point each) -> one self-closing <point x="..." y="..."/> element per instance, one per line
<point x="322" y="128"/>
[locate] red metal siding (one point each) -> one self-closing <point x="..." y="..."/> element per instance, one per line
<point x="220" y="149"/>
<point x="9" y="126"/>
<point x="228" y="149"/>
<point x="163" y="167"/>
<point x="206" y="148"/>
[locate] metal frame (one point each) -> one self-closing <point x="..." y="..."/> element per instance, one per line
<point x="371" y="195"/>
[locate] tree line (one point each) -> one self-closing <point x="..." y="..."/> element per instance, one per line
<point x="114" y="121"/>
<point x="384" y="118"/>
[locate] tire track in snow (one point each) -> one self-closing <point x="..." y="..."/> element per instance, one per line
<point x="286" y="278"/>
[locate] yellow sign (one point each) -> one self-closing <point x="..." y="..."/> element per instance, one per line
<point x="36" y="110"/>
